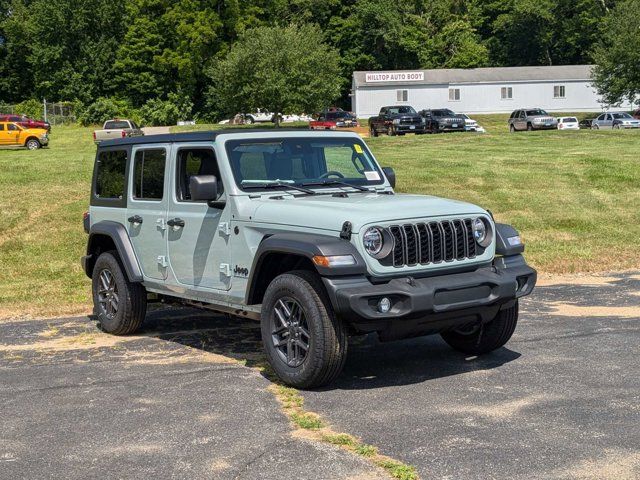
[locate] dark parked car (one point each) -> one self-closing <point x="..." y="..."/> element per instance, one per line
<point x="586" y="123"/>
<point x="25" y="121"/>
<point x="396" y="120"/>
<point x="443" y="120"/>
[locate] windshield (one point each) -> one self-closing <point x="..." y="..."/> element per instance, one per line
<point x="338" y="115"/>
<point x="397" y="110"/>
<point x="443" y="113"/>
<point x="301" y="161"/>
<point x="533" y="113"/>
<point x="621" y="115"/>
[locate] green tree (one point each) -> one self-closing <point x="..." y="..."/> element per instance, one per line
<point x="61" y="49"/>
<point x="167" y="47"/>
<point x="281" y="69"/>
<point x="617" y="74"/>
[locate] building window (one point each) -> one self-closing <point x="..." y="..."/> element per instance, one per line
<point x="454" y="94"/>
<point x="402" y="95"/>
<point x="506" y="93"/>
<point x="558" y="91"/>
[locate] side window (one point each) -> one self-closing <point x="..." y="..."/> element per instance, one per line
<point x="110" y="174"/>
<point x="1" y="127"/>
<point x="148" y="176"/>
<point x="608" y="117"/>
<point x="195" y="161"/>
<point x="601" y="117"/>
<point x="12" y="128"/>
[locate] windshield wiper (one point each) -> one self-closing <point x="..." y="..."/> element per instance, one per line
<point x="280" y="185"/>
<point x="336" y="182"/>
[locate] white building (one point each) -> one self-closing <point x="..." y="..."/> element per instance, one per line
<point x="564" y="88"/>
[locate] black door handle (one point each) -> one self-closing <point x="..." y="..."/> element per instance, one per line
<point x="176" y="222"/>
<point x="135" y="219"/>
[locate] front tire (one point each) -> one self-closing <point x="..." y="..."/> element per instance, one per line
<point x="32" y="144"/>
<point x="119" y="304"/>
<point x="512" y="129"/>
<point x="305" y="344"/>
<point x="372" y="131"/>
<point x="529" y="127"/>
<point x="477" y="340"/>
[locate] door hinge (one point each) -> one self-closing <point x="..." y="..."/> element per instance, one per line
<point x="225" y="269"/>
<point x="224" y="228"/>
<point x="162" y="261"/>
<point x="161" y="224"/>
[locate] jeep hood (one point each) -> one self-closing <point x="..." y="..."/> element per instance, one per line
<point x="329" y="213"/>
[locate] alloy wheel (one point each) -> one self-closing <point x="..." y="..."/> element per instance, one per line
<point x="290" y="331"/>
<point x="108" y="298"/>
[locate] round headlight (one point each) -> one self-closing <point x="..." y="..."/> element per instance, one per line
<point x="479" y="231"/>
<point x="373" y="241"/>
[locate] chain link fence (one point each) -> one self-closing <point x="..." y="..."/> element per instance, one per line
<point x="55" y="113"/>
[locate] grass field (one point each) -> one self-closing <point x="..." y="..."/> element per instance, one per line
<point x="573" y="195"/>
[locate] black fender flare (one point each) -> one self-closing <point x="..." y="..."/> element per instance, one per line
<point x="503" y="233"/>
<point x="121" y="240"/>
<point x="307" y="245"/>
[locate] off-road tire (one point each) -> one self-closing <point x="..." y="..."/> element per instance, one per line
<point x="32" y="144"/>
<point x="132" y="297"/>
<point x="328" y="338"/>
<point x="487" y="338"/>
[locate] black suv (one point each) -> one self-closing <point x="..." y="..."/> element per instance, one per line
<point x="443" y="120"/>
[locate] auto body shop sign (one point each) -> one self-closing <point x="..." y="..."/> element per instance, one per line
<point x="394" y="77"/>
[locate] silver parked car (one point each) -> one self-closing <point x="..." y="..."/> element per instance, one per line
<point x="531" y="119"/>
<point x="615" y="120"/>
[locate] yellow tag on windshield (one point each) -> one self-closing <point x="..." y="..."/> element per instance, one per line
<point x="357" y="148"/>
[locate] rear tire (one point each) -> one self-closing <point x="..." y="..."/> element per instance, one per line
<point x="305" y="344"/>
<point x="119" y="304"/>
<point x="33" y="144"/>
<point x="485" y="339"/>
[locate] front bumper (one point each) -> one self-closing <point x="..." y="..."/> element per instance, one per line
<point x="543" y="126"/>
<point x="433" y="303"/>
<point x="409" y="128"/>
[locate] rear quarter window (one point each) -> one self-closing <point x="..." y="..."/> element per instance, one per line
<point x="110" y="174"/>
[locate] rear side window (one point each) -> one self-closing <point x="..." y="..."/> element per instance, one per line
<point x="148" y="174"/>
<point x="110" y="174"/>
<point x="1" y="127"/>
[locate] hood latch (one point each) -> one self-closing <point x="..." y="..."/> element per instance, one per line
<point x="345" y="234"/>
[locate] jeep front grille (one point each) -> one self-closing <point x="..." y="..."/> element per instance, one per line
<point x="432" y="242"/>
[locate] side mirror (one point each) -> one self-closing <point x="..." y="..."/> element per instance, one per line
<point x="391" y="175"/>
<point x="203" y="187"/>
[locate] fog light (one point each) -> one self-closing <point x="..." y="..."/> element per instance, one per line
<point x="384" y="305"/>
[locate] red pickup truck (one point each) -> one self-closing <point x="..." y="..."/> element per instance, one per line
<point x="25" y="122"/>
<point x="333" y="120"/>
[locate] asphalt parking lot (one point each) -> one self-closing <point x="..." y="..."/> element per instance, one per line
<point x="182" y="400"/>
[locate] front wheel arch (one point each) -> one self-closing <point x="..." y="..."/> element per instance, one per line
<point x="32" y="140"/>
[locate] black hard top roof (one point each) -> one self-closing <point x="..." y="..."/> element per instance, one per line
<point x="203" y="136"/>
